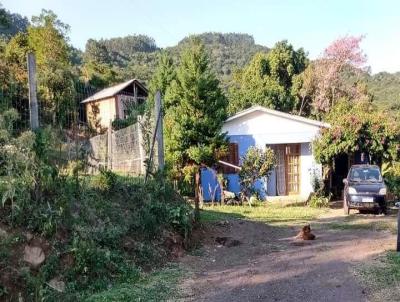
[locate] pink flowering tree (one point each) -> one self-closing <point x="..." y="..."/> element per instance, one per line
<point x="342" y="56"/>
<point x="334" y="75"/>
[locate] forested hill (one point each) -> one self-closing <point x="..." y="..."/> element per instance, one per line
<point x="137" y="55"/>
<point x="385" y="87"/>
<point x="11" y="24"/>
<point x="227" y="51"/>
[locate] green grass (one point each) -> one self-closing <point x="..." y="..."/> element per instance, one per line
<point x="381" y="277"/>
<point x="156" y="286"/>
<point x="269" y="212"/>
<point x="364" y="225"/>
<point x="389" y="272"/>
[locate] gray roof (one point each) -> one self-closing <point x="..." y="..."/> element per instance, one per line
<point x="111" y="91"/>
<point x="278" y="113"/>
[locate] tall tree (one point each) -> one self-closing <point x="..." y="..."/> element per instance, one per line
<point x="194" y="120"/>
<point x="15" y="58"/>
<point x="47" y="37"/>
<point x="336" y="74"/>
<point x="163" y="76"/>
<point x="4" y="20"/>
<point x="268" y="79"/>
<point x="304" y="86"/>
<point x="11" y="24"/>
<point x="97" y="67"/>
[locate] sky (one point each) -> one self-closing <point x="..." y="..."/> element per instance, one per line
<point x="311" y="24"/>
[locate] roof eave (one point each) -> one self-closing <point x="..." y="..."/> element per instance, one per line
<point x="278" y="113"/>
<point x="127" y="83"/>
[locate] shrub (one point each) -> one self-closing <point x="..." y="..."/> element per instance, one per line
<point x="318" y="201"/>
<point x="391" y="174"/>
<point x="105" y="181"/>
<point x="256" y="164"/>
<point x="134" y="111"/>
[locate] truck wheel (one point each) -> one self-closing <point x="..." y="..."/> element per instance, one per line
<point x="346" y="208"/>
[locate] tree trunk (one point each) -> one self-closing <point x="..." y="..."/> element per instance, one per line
<point x="303" y="99"/>
<point x="197" y="197"/>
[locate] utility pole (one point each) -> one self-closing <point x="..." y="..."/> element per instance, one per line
<point x="33" y="104"/>
<point x="398" y="231"/>
<point x="157" y="136"/>
<point x="109" y="146"/>
<point x="159" y="130"/>
<point x="142" y="151"/>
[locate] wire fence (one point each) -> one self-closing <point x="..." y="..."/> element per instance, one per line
<point x="117" y="150"/>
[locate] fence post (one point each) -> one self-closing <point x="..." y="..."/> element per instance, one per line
<point x="142" y="152"/>
<point x="159" y="129"/>
<point x="33" y="104"/>
<point x="398" y="232"/>
<point x="109" y="146"/>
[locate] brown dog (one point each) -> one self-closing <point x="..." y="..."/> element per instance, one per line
<point x="305" y="233"/>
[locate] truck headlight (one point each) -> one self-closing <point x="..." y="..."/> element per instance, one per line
<point x="352" y="190"/>
<point x="382" y="191"/>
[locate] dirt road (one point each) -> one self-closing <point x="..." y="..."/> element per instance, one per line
<point x="259" y="262"/>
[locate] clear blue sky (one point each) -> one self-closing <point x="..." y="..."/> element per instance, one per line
<point x="306" y="23"/>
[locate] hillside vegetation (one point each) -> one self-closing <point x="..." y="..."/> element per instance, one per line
<point x="137" y="56"/>
<point x="66" y="235"/>
<point x="385" y="88"/>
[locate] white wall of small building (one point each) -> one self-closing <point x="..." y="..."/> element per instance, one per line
<point x="308" y="169"/>
<point x="272" y="128"/>
<point x="261" y="129"/>
<point x="106" y="112"/>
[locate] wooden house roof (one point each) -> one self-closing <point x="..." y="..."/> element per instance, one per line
<point x="112" y="91"/>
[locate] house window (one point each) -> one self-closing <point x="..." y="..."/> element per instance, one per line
<point x="232" y="157"/>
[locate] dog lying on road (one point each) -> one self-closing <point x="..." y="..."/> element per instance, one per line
<point x="305" y="233"/>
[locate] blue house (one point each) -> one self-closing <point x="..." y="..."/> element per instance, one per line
<point x="290" y="136"/>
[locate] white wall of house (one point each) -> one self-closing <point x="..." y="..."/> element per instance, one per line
<point x="261" y="128"/>
<point x="309" y="167"/>
<point x="272" y="128"/>
<point x="106" y="112"/>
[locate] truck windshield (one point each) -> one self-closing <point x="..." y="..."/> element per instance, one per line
<point x="365" y="174"/>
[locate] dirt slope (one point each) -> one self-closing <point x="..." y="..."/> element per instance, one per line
<point x="270" y="265"/>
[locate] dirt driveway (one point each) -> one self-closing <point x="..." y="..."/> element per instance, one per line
<point x="260" y="262"/>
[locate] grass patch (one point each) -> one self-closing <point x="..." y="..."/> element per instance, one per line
<point x="382" y="277"/>
<point x="388" y="273"/>
<point x="156" y="286"/>
<point x="364" y="224"/>
<point x="271" y="213"/>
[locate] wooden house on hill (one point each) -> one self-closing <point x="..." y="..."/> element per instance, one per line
<point x="113" y="103"/>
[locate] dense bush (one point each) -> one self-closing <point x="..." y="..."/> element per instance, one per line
<point x="319" y="198"/>
<point x="355" y="128"/>
<point x="318" y="201"/>
<point x="256" y="164"/>
<point x="102" y="229"/>
<point x="391" y="174"/>
<point x="134" y="111"/>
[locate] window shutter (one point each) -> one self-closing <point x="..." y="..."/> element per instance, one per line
<point x="232" y="157"/>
